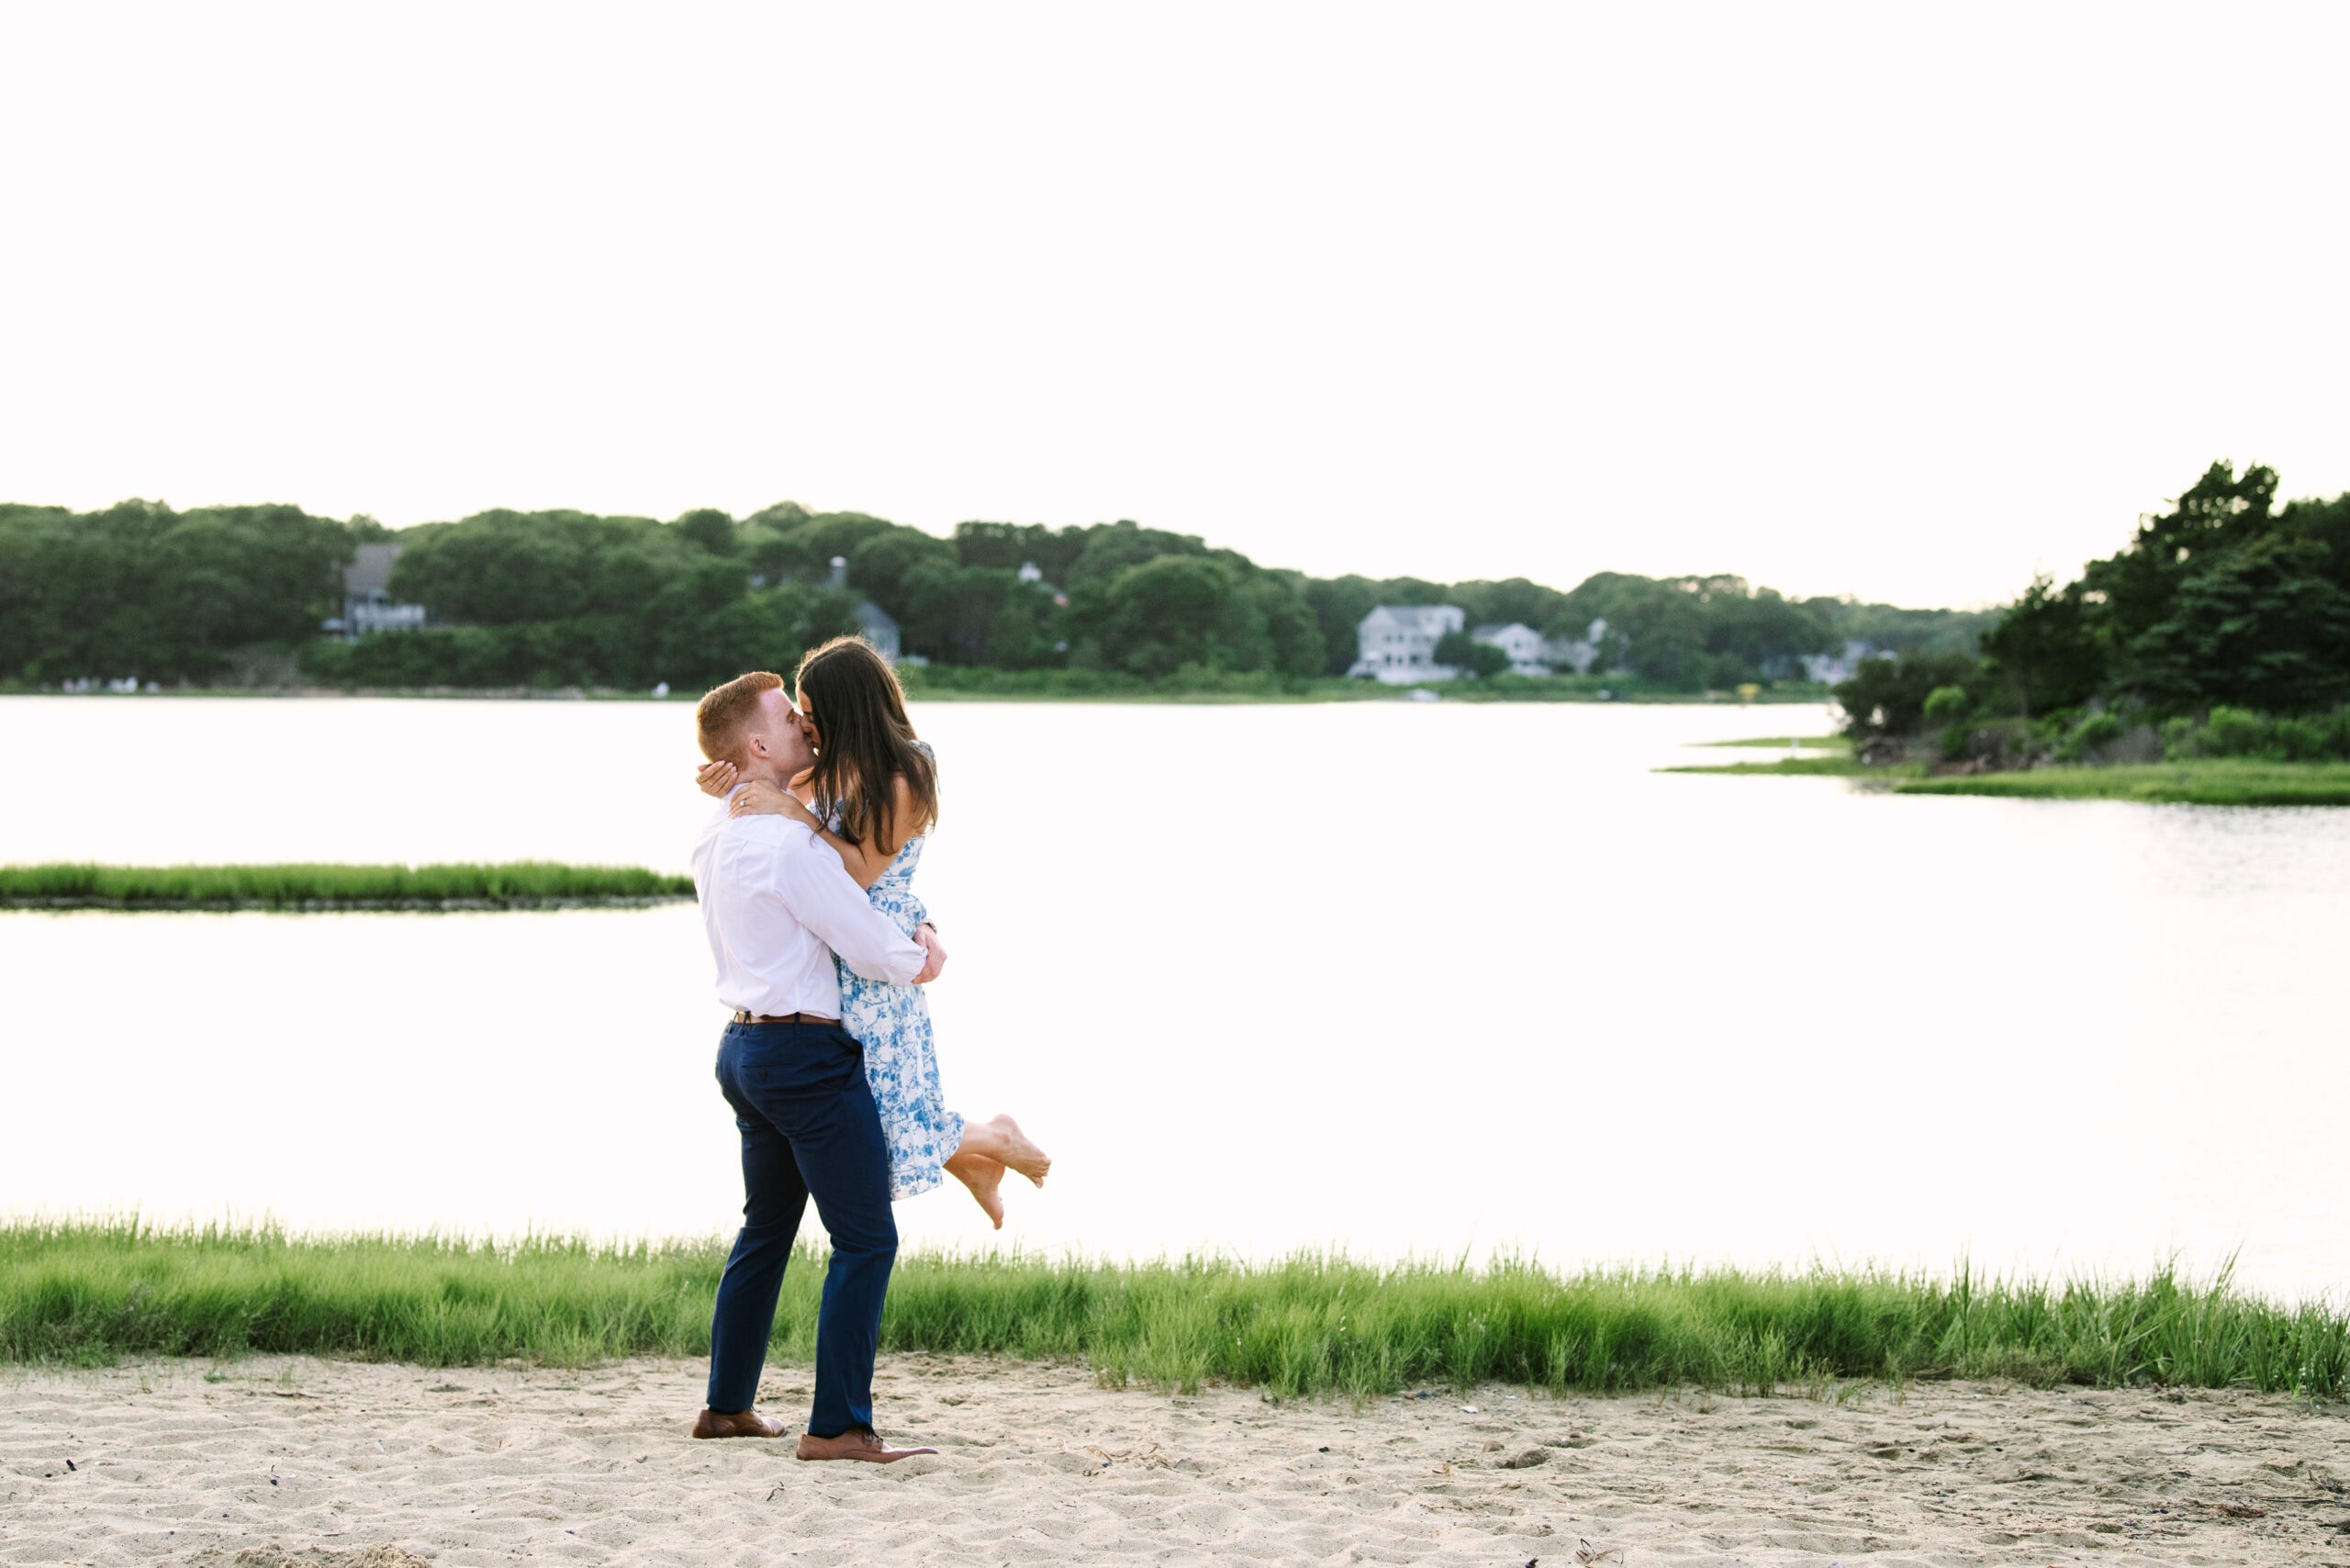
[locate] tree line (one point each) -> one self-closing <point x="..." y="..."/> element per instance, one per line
<point x="574" y="599"/>
<point x="2228" y="604"/>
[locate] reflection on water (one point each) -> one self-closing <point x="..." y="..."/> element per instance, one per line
<point x="1407" y="979"/>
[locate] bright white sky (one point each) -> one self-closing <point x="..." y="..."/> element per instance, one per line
<point x="1886" y="299"/>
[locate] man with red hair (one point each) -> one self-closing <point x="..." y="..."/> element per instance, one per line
<point x="776" y="905"/>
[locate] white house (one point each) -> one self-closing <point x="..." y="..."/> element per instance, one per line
<point x="881" y="628"/>
<point x="1395" y="644"/>
<point x="367" y="597"/>
<point x="1522" y="642"/>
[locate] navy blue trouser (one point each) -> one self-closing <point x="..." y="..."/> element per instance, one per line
<point x="809" y="1130"/>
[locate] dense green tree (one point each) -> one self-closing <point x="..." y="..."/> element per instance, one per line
<point x="1890" y="626"/>
<point x="1199" y="610"/>
<point x="879" y="564"/>
<point x="2046" y="650"/>
<point x="1338" y="605"/>
<point x="1008" y="547"/>
<point x="1470" y="657"/>
<point x="1759" y="634"/>
<point x="2223" y="598"/>
<point x="233" y="577"/>
<point x="2260" y="626"/>
<point x="2325" y="524"/>
<point x="709" y="528"/>
<point x="1655" y="629"/>
<point x="1292" y="632"/>
<point x="785" y="542"/>
<point x="1156" y="615"/>
<point x="1112" y="548"/>
<point x="1889" y="696"/>
<point x="1513" y="599"/>
<point x="76" y="593"/>
<point x="976" y="615"/>
<point x="142" y="590"/>
<point x="502" y="568"/>
<point x="2217" y="513"/>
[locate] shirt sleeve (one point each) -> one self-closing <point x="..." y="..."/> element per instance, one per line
<point x="816" y="888"/>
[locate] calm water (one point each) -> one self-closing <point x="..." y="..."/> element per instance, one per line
<point x="1409" y="979"/>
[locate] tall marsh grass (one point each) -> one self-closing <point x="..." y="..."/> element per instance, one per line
<point x="91" y="1293"/>
<point x="523" y="884"/>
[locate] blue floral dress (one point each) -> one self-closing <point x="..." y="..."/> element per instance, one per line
<point x="892" y="1023"/>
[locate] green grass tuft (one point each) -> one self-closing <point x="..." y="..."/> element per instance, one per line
<point x="91" y="1293"/>
<point x="523" y="884"/>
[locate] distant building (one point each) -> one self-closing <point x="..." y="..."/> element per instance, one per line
<point x="367" y="604"/>
<point x="1522" y="642"/>
<point x="1577" y="654"/>
<point x="1395" y="644"/>
<point x="1838" y="668"/>
<point x="879" y="627"/>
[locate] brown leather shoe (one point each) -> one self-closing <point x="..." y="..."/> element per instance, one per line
<point x="741" y="1424"/>
<point x="857" y="1442"/>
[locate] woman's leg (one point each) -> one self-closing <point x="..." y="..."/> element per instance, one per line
<point x="1001" y="1141"/>
<point x="984" y="1176"/>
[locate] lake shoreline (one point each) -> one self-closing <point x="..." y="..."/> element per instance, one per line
<point x="402" y="1070"/>
<point x="1362" y="692"/>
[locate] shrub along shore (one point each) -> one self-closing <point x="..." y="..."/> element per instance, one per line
<point x="523" y="884"/>
<point x="92" y="1293"/>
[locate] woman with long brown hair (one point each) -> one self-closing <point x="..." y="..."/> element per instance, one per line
<point x="873" y="796"/>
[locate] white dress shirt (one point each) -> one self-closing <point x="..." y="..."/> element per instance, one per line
<point x="778" y="904"/>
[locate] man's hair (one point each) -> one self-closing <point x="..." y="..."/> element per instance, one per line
<point x="725" y="711"/>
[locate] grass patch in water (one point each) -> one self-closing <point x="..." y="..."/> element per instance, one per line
<point x="2204" y="782"/>
<point x="91" y="1293"/>
<point x="523" y="884"/>
<point x="1789" y="742"/>
<point x="1838" y="764"/>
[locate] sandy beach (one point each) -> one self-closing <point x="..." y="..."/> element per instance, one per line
<point x="261" y="1462"/>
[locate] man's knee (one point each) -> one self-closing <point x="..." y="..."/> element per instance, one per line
<point x="867" y="1243"/>
<point x="762" y="1240"/>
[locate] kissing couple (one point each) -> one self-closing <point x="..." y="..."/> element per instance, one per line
<point x="805" y="882"/>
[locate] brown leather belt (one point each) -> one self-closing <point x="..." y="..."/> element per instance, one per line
<point x="783" y="1018"/>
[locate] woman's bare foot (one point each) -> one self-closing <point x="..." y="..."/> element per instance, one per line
<point x="1020" y="1153"/>
<point x="985" y="1178"/>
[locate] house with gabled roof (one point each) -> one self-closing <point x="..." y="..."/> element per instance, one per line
<point x="1521" y="644"/>
<point x="1395" y="644"/>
